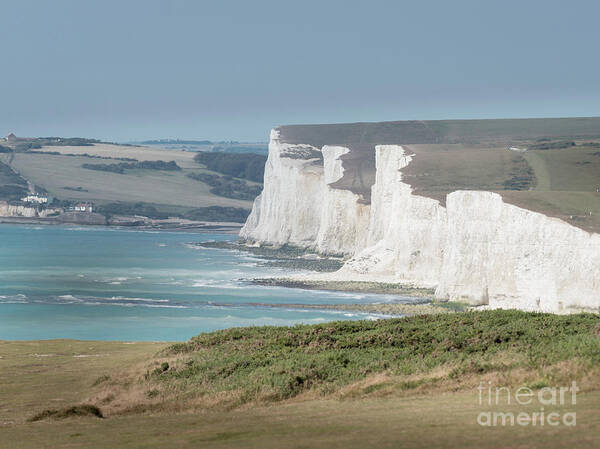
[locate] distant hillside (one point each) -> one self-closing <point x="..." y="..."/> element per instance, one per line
<point x="231" y="146"/>
<point x="130" y="180"/>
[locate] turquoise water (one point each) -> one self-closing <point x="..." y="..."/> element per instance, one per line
<point x="115" y="284"/>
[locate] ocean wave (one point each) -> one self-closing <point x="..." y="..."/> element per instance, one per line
<point x="126" y="298"/>
<point x="67" y="297"/>
<point x="207" y="283"/>
<point x="88" y="300"/>
<point x="125" y="304"/>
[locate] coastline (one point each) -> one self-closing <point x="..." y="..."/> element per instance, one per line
<point x="379" y="288"/>
<point x="285" y="256"/>
<point x="390" y="310"/>
<point x="296" y="258"/>
<point x="157" y="225"/>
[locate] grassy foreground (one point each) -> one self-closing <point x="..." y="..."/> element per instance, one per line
<point x="409" y="382"/>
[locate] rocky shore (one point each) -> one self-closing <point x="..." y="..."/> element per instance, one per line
<point x="285" y="256"/>
<point x="348" y="286"/>
<point x="391" y="309"/>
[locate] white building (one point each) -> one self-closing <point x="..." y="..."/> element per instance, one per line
<point x="81" y="207"/>
<point x="34" y="198"/>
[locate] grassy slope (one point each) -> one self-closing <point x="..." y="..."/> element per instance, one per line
<point x="165" y="189"/>
<point x="471" y="154"/>
<point x="437" y="170"/>
<point x="266" y="364"/>
<point x="409" y="382"/>
<point x="562" y="183"/>
<point x="566" y="187"/>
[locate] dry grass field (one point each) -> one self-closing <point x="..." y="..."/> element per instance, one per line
<point x="184" y="159"/>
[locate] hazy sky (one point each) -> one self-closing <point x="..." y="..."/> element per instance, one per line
<point x="127" y="70"/>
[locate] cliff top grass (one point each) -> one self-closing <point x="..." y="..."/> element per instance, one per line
<point x="427" y="353"/>
<point x="558" y="175"/>
<point x="441" y="131"/>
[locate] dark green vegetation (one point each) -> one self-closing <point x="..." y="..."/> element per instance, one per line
<point x="68" y="412"/>
<point x="144" y="165"/>
<point x="268" y="364"/>
<point x="217" y="213"/>
<point x="75" y="189"/>
<point x="28" y="143"/>
<point x="12" y="186"/>
<point x="210" y="213"/>
<point x="245" y="166"/>
<point x="142" y="209"/>
<point x="548" y="144"/>
<point x="557" y="175"/>
<point x="227" y="186"/>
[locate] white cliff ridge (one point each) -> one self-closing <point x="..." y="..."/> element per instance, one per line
<point x="297" y="206"/>
<point x="477" y="249"/>
<point x="10" y="210"/>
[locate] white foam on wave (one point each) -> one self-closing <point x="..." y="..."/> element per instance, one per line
<point x="207" y="283"/>
<point x="125" y="298"/>
<point x="67" y="297"/>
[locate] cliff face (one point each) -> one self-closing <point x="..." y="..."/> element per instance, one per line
<point x="476" y="249"/>
<point x="9" y="210"/>
<point x="297" y="205"/>
<point x="516" y="258"/>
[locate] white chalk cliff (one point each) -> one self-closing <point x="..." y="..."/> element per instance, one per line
<point x="476" y="249"/>
<point x="10" y="210"/>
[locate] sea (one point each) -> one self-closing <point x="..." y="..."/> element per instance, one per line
<point x="100" y="283"/>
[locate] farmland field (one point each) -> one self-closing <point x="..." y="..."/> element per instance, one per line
<point x="65" y="178"/>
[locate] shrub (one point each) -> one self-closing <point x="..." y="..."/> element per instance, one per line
<point x="218" y="213"/>
<point x="122" y="166"/>
<point x="68" y="412"/>
<point x="246" y="166"/>
<point x="227" y="186"/>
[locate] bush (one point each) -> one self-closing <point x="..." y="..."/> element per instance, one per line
<point x="552" y="145"/>
<point x="281" y="362"/>
<point x="122" y="166"/>
<point x="245" y="166"/>
<point x="68" y="412"/>
<point x="12" y="186"/>
<point x="227" y="186"/>
<point x="142" y="209"/>
<point x="112" y="168"/>
<point x="218" y="213"/>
